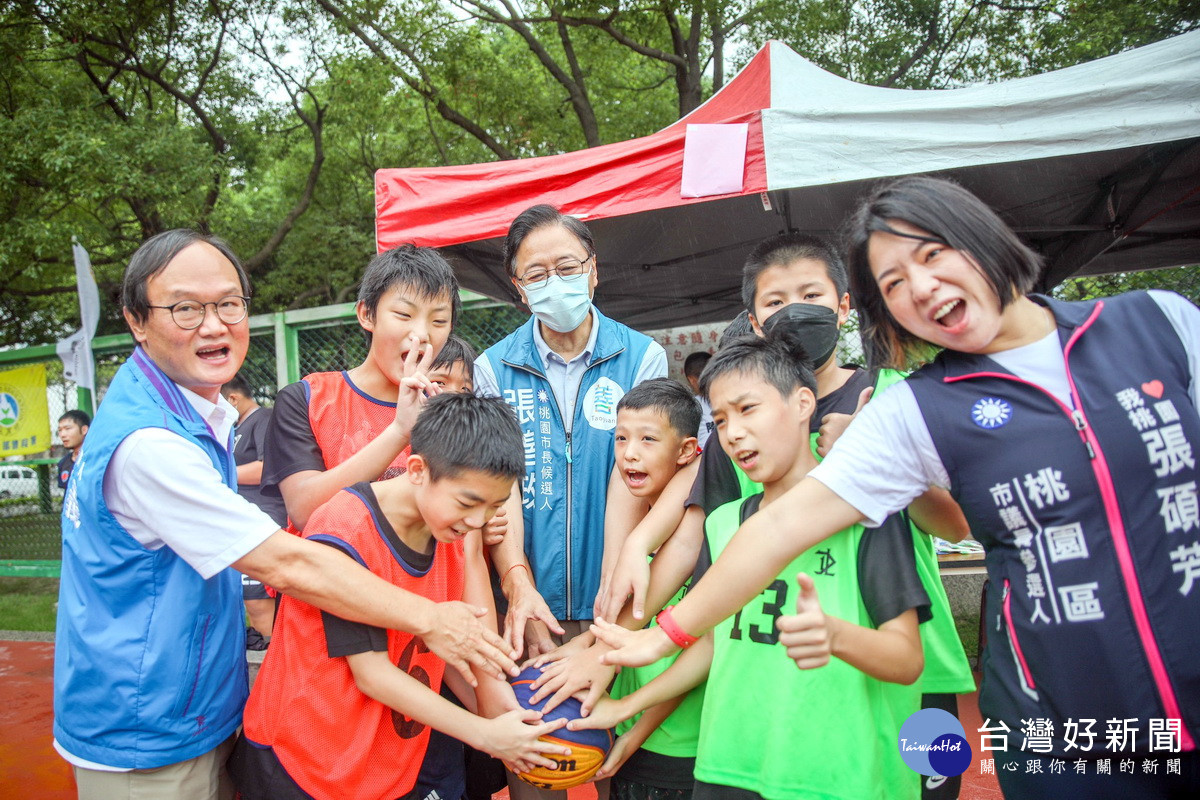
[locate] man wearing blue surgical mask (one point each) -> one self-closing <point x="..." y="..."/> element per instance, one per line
<point x="563" y="372"/>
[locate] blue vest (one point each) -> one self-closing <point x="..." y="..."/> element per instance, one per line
<point x="1088" y="519"/>
<point x="149" y="658"/>
<point x="566" y="478"/>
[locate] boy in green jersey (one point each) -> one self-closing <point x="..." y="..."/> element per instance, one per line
<point x="653" y="757"/>
<point x="781" y="276"/>
<point x="765" y="730"/>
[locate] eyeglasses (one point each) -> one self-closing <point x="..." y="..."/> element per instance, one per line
<point x="567" y="268"/>
<point x="189" y="314"/>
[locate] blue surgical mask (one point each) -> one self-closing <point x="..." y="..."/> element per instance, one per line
<point x="561" y="304"/>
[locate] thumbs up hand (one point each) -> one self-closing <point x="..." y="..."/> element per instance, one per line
<point x="806" y="634"/>
<point x="834" y="425"/>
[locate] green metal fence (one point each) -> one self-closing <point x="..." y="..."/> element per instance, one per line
<point x="283" y="347"/>
<point x="289" y="344"/>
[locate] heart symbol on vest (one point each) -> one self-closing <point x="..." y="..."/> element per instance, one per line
<point x="1154" y="389"/>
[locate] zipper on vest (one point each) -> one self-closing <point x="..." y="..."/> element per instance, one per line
<point x="1082" y="426"/>
<point x="1116" y="524"/>
<point x="1027" y="684"/>
<point x="567" y="548"/>
<point x="570" y="514"/>
<point x="570" y="467"/>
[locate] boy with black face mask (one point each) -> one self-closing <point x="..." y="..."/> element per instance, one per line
<point x="799" y="282"/>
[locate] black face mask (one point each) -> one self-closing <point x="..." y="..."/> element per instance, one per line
<point x="815" y="326"/>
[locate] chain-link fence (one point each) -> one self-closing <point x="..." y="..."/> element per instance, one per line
<point x="313" y="340"/>
<point x="287" y="345"/>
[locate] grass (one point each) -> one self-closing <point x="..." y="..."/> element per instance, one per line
<point x="27" y="604"/>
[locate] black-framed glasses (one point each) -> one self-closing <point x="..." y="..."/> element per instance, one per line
<point x="189" y="314"/>
<point x="567" y="268"/>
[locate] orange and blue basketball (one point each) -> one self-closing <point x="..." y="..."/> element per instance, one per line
<point x="588" y="748"/>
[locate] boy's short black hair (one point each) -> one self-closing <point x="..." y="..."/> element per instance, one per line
<point x="78" y="416"/>
<point x="237" y="384"/>
<point x="153" y="257"/>
<point x="693" y="365"/>
<point x="784" y="249"/>
<point x="456" y="432"/>
<point x="778" y="358"/>
<point x="454" y="350"/>
<point x="421" y="269"/>
<point x="671" y="398"/>
<point x="735" y="330"/>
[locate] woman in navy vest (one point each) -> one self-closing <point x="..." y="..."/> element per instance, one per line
<point x="1066" y="431"/>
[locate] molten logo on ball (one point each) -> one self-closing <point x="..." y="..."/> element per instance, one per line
<point x="588" y="748"/>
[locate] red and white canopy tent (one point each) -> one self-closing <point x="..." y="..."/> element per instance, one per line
<point x="1097" y="166"/>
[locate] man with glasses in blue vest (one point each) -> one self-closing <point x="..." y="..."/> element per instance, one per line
<point x="150" y="656"/>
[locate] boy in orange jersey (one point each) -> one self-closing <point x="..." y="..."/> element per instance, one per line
<point x="341" y="709"/>
<point x="334" y="429"/>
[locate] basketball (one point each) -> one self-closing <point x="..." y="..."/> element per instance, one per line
<point x="588" y="748"/>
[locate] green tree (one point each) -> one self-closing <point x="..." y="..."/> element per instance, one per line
<point x="265" y="120"/>
<point x="127" y="119"/>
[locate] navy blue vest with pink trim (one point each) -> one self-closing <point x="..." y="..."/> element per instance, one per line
<point x="1089" y="519"/>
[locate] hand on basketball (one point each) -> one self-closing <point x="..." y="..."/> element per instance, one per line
<point x="526" y="605"/>
<point x="630" y="577"/>
<point x="497" y="526"/>
<point x="580" y="674"/>
<point x="632" y="648"/>
<point x="513" y="738"/>
<point x="459" y="637"/>
<point x="834" y="425"/>
<point x="621" y="750"/>
<point x="606" y="714"/>
<point x="415" y="385"/>
<point x="805" y="634"/>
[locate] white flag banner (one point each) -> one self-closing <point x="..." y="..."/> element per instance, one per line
<point x="76" y="349"/>
<point x="89" y="295"/>
<point x="76" y="354"/>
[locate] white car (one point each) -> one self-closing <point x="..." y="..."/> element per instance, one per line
<point x="17" y="482"/>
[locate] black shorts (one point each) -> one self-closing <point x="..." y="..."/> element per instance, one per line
<point x="254" y="590"/>
<point x="621" y="789"/>
<point x="258" y="775"/>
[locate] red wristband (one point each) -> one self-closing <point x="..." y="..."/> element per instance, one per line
<point x="671" y="628"/>
<point x="510" y="569"/>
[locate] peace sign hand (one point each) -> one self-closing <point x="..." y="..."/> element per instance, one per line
<point x="415" y="387"/>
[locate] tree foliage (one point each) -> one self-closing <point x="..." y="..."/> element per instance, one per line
<point x="264" y="120"/>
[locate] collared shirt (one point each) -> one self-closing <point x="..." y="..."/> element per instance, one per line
<point x="566" y="376"/>
<point x="163" y="490"/>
